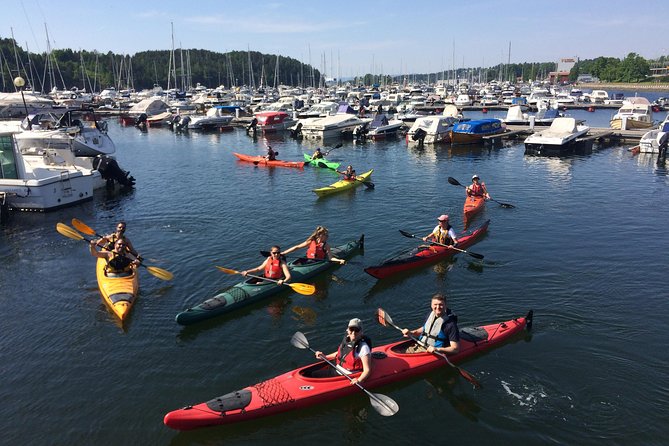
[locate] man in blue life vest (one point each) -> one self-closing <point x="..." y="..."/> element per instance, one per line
<point x="440" y="332"/>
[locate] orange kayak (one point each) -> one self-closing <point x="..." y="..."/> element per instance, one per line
<point x="473" y="204"/>
<point x="261" y="161"/>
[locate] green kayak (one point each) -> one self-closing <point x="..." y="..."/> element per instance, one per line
<point x="322" y="162"/>
<point x="253" y="290"/>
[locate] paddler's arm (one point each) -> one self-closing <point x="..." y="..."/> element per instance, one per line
<point x="94" y="252"/>
<point x="286" y="273"/>
<point x="366" y="369"/>
<point x="257" y="268"/>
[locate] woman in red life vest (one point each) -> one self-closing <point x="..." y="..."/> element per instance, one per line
<point x="274" y="267"/>
<point x="477" y="188"/>
<point x="349" y="173"/>
<point x="317" y="246"/>
<point x="353" y="354"/>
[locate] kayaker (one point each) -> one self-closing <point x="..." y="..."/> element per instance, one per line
<point x="317" y="246"/>
<point x="349" y="173"/>
<point x="317" y="154"/>
<point x="117" y="259"/>
<point x="274" y="267"/>
<point x="440" y="332"/>
<point x="442" y="233"/>
<point x="108" y="241"/>
<point x="271" y="154"/>
<point x="477" y="188"/>
<point x="353" y="354"/>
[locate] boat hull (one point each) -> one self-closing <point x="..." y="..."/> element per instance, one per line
<point x="119" y="293"/>
<point x="297" y="390"/>
<point x="261" y="161"/>
<point x="343" y="185"/>
<point x="425" y="255"/>
<point x="251" y="291"/>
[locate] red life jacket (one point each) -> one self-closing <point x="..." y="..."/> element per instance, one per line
<point x="477" y="190"/>
<point x="316" y="250"/>
<point x="346" y="353"/>
<point x="273" y="269"/>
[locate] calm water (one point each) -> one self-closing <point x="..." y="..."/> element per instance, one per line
<point x="586" y="248"/>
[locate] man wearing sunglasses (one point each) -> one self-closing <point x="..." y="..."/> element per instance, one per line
<point x="274" y="267"/>
<point x="353" y="354"/>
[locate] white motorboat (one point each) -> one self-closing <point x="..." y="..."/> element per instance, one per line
<point x="274" y="121"/>
<point x="561" y="137"/>
<point x="635" y="113"/>
<point x="543" y="117"/>
<point x="215" y="118"/>
<point x="380" y="127"/>
<point x="431" y="129"/>
<point x="12" y="105"/>
<point x="42" y="179"/>
<point x="330" y="126"/>
<point x="649" y="142"/>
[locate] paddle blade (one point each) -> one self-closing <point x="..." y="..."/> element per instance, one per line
<point x="299" y="340"/>
<point x="65" y="230"/>
<point x="369" y="184"/>
<point x="227" y="270"/>
<point x="83" y="227"/>
<point x="454" y="182"/>
<point x="160" y="273"/>
<point x="469" y="377"/>
<point x="506" y="205"/>
<point x="475" y="255"/>
<point x="384" y="318"/>
<point x="407" y="234"/>
<point x="383" y="404"/>
<point x="302" y="288"/>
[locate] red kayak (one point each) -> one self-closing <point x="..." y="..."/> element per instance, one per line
<point x="473" y="204"/>
<point x="261" y="161"/>
<point x="424" y="255"/>
<point x="297" y="389"/>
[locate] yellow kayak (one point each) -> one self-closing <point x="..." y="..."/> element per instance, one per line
<point x="118" y="291"/>
<point x="343" y="185"/>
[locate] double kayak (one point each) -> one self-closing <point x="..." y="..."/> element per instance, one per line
<point x="298" y="389"/>
<point x="321" y="162"/>
<point x="118" y="291"/>
<point x="473" y="205"/>
<point x="261" y="161"/>
<point x="423" y="255"/>
<point x="253" y="290"/>
<point x="343" y="185"/>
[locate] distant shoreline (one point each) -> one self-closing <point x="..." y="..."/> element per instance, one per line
<point x="624" y="86"/>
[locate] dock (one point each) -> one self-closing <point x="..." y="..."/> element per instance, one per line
<point x="598" y="134"/>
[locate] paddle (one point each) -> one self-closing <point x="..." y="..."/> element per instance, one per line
<point x="385" y="320"/>
<point x="455" y="182"/>
<point x="65" y="230"/>
<point x="335" y="147"/>
<point x="301" y="288"/>
<point x="473" y="254"/>
<point x="383" y="404"/>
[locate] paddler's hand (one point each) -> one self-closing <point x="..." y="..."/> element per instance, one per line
<point x="244" y="273"/>
<point x="342" y="261"/>
<point x="405" y="332"/>
<point x="280" y="281"/>
<point x="354" y="381"/>
<point x="320" y="355"/>
<point x="431" y="349"/>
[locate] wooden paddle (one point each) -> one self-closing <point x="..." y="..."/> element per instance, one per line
<point x="385" y="320"/>
<point x="301" y="288"/>
<point x="473" y="254"/>
<point x="383" y="404"/>
<point x="455" y="182"/>
<point x="65" y="230"/>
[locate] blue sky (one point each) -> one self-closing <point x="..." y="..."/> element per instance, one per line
<point x="354" y="37"/>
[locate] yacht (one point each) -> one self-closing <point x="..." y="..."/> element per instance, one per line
<point x="42" y="179"/>
<point x="561" y="137"/>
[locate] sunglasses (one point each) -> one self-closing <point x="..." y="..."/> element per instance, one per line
<point x="275" y="252"/>
<point x="353" y="329"/>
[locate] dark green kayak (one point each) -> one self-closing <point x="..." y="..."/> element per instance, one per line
<point x="253" y="290"/>
<point x="321" y="162"/>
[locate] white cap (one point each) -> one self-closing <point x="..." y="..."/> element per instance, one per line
<point x="355" y="322"/>
<point x="474" y="176"/>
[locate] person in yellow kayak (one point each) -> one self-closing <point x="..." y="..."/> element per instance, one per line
<point x="109" y="240"/>
<point x="118" y="261"/>
<point x="477" y="188"/>
<point x="317" y="246"/>
<point x="317" y="155"/>
<point x="274" y="267"/>
<point x="353" y="355"/>
<point x="349" y="173"/>
<point x="440" y="332"/>
<point x="442" y="233"/>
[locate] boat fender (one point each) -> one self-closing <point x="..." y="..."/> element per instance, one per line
<point x="230" y="401"/>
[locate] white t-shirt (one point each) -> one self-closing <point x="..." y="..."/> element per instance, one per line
<point x="437" y="229"/>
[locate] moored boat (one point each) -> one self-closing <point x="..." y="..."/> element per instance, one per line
<point x="253" y="290"/>
<point x="298" y="389"/>
<point x="424" y="254"/>
<point x="118" y="291"/>
<point x="563" y="136"/>
<point x="261" y="161"/>
<point x="343" y="185"/>
<point x="635" y="113"/>
<point x="471" y="132"/>
<point x="321" y="162"/>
